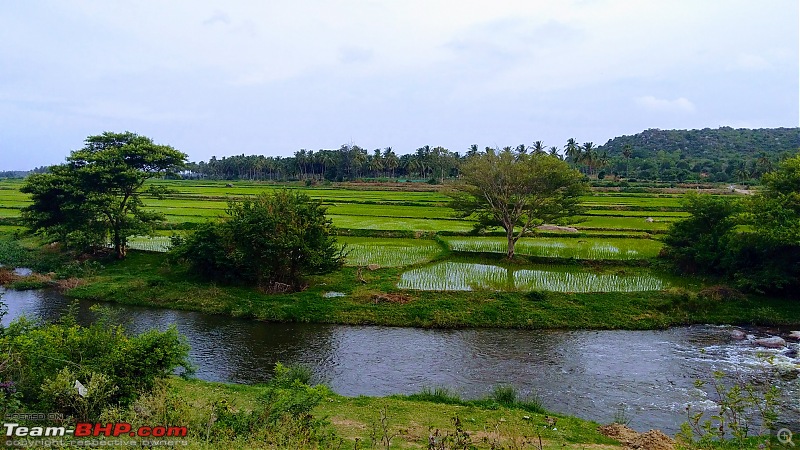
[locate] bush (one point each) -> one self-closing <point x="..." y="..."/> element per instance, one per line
<point x="284" y="418"/>
<point x="114" y="367"/>
<point x="271" y="240"/>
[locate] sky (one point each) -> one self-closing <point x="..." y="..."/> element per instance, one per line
<point x="273" y="77"/>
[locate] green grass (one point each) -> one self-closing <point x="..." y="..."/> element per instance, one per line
<point x="410" y="419"/>
<point x="579" y="247"/>
<point x="394" y="223"/>
<point x="375" y="208"/>
<point x="389" y="252"/>
<point x="620" y="223"/>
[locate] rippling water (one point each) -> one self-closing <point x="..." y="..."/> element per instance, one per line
<point x="590" y="374"/>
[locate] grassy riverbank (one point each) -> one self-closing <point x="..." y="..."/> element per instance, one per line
<point x="228" y="416"/>
<point x="148" y="279"/>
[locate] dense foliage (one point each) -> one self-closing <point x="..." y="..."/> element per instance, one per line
<point x="44" y="365"/>
<point x="94" y="197"/>
<point x="723" y="155"/>
<point x="755" y="242"/>
<point x="272" y="240"/>
<point x="517" y="191"/>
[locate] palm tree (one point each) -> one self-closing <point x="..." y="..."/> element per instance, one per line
<point x="589" y="155"/>
<point x="473" y="150"/>
<point x="572" y="151"/>
<point x="538" y="147"/>
<point x="554" y="152"/>
<point x="376" y="162"/>
<point x="627" y="152"/>
<point x="521" y="149"/>
<point x="390" y="160"/>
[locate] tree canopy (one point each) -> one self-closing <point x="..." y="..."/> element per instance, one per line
<point x="517" y="191"/>
<point x="94" y="198"/>
<point x="753" y="242"/>
<point x="272" y="240"/>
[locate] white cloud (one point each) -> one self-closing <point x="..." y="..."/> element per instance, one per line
<point x="679" y="105"/>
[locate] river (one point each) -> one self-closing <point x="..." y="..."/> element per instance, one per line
<point x="590" y="374"/>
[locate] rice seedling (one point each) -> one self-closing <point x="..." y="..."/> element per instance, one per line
<point x="579" y="248"/>
<point x="388" y="252"/>
<point x="458" y="276"/>
<point x="149" y="243"/>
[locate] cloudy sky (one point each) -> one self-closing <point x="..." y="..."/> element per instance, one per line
<point x="272" y="77"/>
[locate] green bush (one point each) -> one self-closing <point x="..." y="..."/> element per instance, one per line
<point x="114" y="367"/>
<point x="283" y="417"/>
<point x="273" y="239"/>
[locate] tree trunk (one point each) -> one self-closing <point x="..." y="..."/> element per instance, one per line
<point x="511" y="243"/>
<point x="119" y="247"/>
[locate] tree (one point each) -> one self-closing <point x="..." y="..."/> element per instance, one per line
<point x="627" y="152"/>
<point x="694" y="243"/>
<point x="517" y="192"/>
<point x="762" y="256"/>
<point x="572" y="151"/>
<point x="95" y="196"/>
<point x="274" y="238"/>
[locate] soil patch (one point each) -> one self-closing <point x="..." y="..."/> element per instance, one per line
<point x="651" y="440"/>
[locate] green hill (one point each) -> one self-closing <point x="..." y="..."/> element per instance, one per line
<point x="708" y="143"/>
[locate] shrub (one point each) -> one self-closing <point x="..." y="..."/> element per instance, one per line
<point x="273" y="239"/>
<point x="114" y="366"/>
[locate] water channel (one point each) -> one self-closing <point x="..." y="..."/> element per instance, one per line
<point x="590" y="374"/>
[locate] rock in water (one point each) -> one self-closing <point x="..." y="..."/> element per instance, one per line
<point x="739" y="335"/>
<point x="794" y="335"/>
<point x="771" y="342"/>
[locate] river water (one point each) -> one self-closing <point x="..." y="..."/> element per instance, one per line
<point x="590" y="374"/>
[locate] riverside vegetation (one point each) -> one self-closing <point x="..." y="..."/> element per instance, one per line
<point x="396" y="239"/>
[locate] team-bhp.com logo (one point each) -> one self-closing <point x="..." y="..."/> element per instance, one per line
<point x="85" y="429"/>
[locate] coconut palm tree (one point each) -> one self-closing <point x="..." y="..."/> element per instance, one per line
<point x="589" y="155"/>
<point x="390" y="160"/>
<point x="627" y="152"/>
<point x="572" y="151"/>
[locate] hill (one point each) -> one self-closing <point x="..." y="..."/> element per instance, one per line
<point x="708" y="143"/>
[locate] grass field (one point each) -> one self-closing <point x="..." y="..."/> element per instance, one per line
<point x="375" y="209"/>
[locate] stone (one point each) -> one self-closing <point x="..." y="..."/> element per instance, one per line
<point x="794" y="335"/>
<point x="373" y="267"/>
<point x="738" y="335"/>
<point x="771" y="342"/>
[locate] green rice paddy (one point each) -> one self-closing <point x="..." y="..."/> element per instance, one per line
<point x="617" y="226"/>
<point x="578" y="248"/>
<point x="461" y="276"/>
<point x="388" y="252"/>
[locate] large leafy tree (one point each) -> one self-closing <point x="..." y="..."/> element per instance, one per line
<point x="273" y="238"/>
<point x="517" y="192"/>
<point x="94" y="198"/>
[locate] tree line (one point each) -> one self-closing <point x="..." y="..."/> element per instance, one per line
<point x="723" y="155"/>
<point x="351" y="162"/>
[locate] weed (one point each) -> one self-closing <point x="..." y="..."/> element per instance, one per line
<point x="740" y="405"/>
